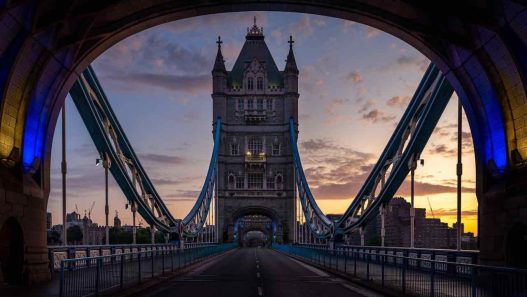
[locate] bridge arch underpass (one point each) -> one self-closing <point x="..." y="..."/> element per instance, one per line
<point x="247" y="219"/>
<point x="479" y="48"/>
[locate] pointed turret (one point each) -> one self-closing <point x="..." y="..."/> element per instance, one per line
<point x="219" y="64"/>
<point x="219" y="73"/>
<point x="291" y="70"/>
<point x="290" y="63"/>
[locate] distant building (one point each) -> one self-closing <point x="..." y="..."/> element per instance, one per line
<point x="92" y="233"/>
<point x="49" y="220"/>
<point x="116" y="221"/>
<point x="429" y="232"/>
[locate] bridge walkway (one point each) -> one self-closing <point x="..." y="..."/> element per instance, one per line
<point x="247" y="272"/>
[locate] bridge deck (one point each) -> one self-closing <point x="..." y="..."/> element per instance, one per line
<point x="257" y="272"/>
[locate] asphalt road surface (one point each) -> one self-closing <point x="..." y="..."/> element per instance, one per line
<point x="248" y="272"/>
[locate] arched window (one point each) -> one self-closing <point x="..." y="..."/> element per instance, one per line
<point x="259" y="83"/>
<point x="250" y="83"/>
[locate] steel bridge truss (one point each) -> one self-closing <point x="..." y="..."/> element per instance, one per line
<point x="117" y="153"/>
<point x="394" y="164"/>
<point x="402" y="152"/>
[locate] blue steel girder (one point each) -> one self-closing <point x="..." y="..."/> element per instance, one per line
<point x="121" y="140"/>
<point x="403" y="150"/>
<point x="195" y="219"/>
<point x="94" y="116"/>
<point x="320" y="225"/>
<point x="111" y="141"/>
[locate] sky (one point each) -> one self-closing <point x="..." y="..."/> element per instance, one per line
<point x="355" y="83"/>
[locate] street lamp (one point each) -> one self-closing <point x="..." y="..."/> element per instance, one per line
<point x="413" y="166"/>
<point x="106" y="164"/>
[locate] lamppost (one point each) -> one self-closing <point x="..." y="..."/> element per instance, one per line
<point x="413" y="166"/>
<point x="106" y="164"/>
<point x="459" y="171"/>
<point x="64" y="171"/>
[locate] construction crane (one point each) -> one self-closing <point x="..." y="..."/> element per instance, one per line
<point x="91" y="208"/>
<point x="430" y="205"/>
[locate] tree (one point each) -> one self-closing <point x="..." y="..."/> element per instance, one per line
<point x="53" y="237"/>
<point x="75" y="234"/>
<point x="120" y="236"/>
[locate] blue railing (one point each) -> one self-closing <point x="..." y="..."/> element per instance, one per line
<point x="413" y="276"/>
<point x="92" y="276"/>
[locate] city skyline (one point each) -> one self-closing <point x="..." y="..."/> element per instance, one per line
<point x="340" y="101"/>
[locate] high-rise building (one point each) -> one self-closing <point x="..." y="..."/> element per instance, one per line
<point x="49" y="220"/>
<point x="255" y="101"/>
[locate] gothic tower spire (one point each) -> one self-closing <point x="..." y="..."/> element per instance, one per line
<point x="290" y="63"/>
<point x="219" y="64"/>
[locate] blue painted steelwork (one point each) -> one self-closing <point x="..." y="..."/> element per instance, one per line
<point x="320" y="225"/>
<point x="405" y="145"/>
<point x="111" y="141"/>
<point x="195" y="220"/>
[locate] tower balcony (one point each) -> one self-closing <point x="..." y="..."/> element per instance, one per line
<point x="255" y="158"/>
<point x="255" y="161"/>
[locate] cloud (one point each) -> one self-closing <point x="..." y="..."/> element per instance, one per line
<point x="442" y="149"/>
<point x="183" y="83"/>
<point x="424" y="188"/>
<point x="354" y="76"/>
<point x="182" y="195"/>
<point x="217" y="22"/>
<point x="371" y="32"/>
<point x="412" y="61"/>
<point x="303" y="26"/>
<point x="442" y="212"/>
<point x="347" y="25"/>
<point x="163" y="159"/>
<point x="376" y="116"/>
<point x="399" y="101"/>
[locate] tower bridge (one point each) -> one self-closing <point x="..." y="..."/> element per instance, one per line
<point x="255" y="181"/>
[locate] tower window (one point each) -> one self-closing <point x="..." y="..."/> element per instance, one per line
<point x="240" y="180"/>
<point x="250" y="83"/>
<point x="240" y="104"/>
<point x="259" y="83"/>
<point x="270" y="183"/>
<point x="235" y="149"/>
<point x="276" y="149"/>
<point x="259" y="104"/>
<point x="255" y="146"/>
<point x="269" y="104"/>
<point x="255" y="180"/>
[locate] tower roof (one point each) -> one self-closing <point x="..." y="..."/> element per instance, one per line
<point x="255" y="48"/>
<point x="290" y="63"/>
<point x="219" y="63"/>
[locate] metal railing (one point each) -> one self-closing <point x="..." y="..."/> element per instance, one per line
<point x="58" y="253"/>
<point x="92" y="276"/>
<point x="414" y="276"/>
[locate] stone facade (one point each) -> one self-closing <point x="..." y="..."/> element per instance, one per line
<point x="255" y="167"/>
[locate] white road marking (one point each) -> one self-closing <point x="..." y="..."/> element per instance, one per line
<point x="257" y="266"/>
<point x="258" y="274"/>
<point x="260" y="291"/>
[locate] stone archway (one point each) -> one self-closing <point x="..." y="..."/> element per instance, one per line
<point x="12" y="252"/>
<point x="516" y="246"/>
<point x="479" y="45"/>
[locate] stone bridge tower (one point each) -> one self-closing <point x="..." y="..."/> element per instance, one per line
<point x="255" y="168"/>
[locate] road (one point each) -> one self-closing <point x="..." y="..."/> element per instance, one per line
<point x="257" y="272"/>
